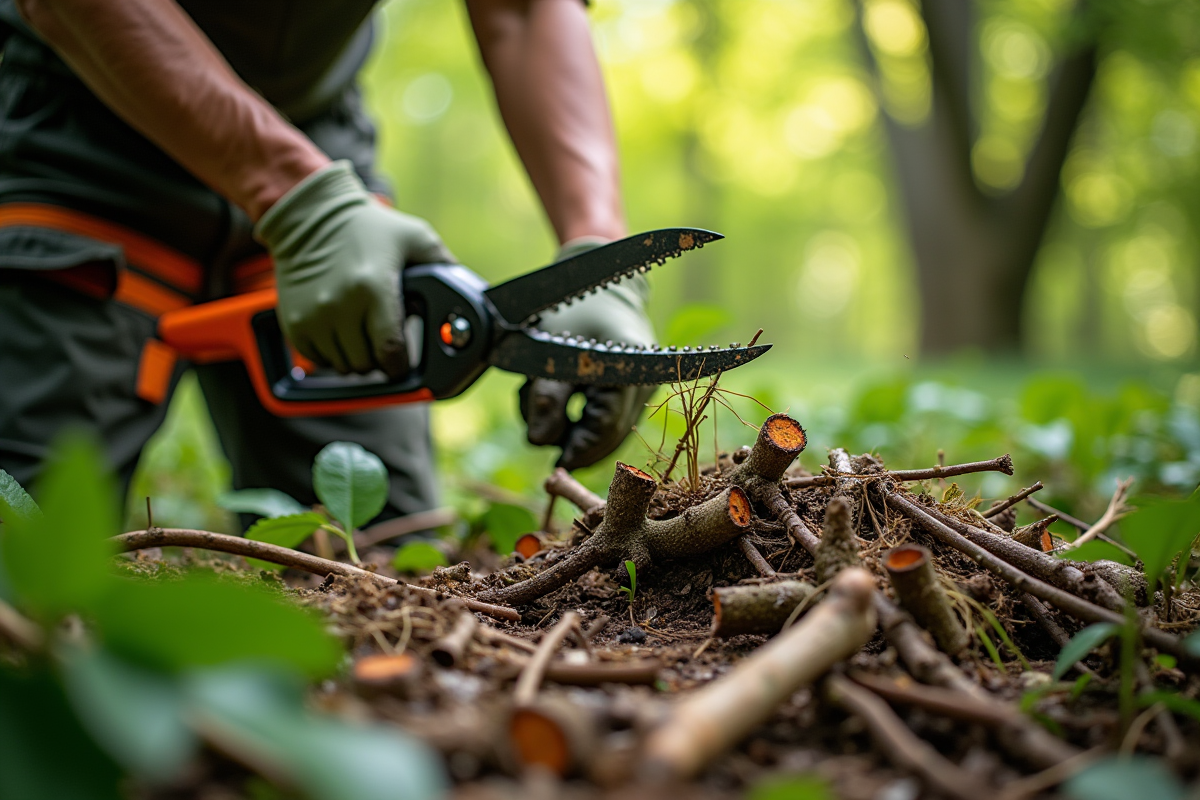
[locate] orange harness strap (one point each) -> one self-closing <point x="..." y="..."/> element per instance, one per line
<point x="160" y="279"/>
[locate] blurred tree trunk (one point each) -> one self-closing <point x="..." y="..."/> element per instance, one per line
<point x="975" y="250"/>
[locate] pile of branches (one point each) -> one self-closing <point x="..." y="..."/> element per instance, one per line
<point x="782" y="621"/>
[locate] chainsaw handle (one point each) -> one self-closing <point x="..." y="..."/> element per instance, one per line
<point x="456" y="337"/>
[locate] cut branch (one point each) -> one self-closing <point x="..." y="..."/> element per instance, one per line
<point x="626" y="534"/>
<point x="761" y="608"/>
<point x="716" y="717"/>
<point x="1072" y="604"/>
<point x="449" y="650"/>
<point x="1002" y="464"/>
<point x="839" y="546"/>
<point x="910" y="568"/>
<point x="248" y="548"/>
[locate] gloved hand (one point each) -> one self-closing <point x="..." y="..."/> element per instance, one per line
<point x="616" y="313"/>
<point x="338" y="257"/>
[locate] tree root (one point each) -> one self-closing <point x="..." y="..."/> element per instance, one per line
<point x="626" y="534"/>
<point x="248" y="548"/>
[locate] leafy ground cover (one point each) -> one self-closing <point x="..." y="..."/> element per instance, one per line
<point x="184" y="672"/>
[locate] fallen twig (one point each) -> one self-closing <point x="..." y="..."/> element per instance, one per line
<point x="540" y="733"/>
<point x="910" y="569"/>
<point x="1001" y="464"/>
<point x="449" y="650"/>
<point x="755" y="558"/>
<point x="626" y="534"/>
<point x="248" y="548"/>
<point x="719" y="715"/>
<point x="1004" y="505"/>
<point x="899" y="743"/>
<point x="1115" y="510"/>
<point x="761" y="608"/>
<point x="562" y="484"/>
<point x="1070" y="603"/>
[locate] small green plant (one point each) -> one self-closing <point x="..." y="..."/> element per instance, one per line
<point x="162" y="666"/>
<point x="630" y="590"/>
<point x="350" y="482"/>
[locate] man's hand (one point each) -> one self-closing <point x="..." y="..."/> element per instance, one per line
<point x="617" y="313"/>
<point x="338" y="257"/>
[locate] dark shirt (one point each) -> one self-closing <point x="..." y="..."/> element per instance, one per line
<point x="298" y="54"/>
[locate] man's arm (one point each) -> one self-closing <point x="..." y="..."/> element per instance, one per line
<point x="551" y="96"/>
<point x="151" y="65"/>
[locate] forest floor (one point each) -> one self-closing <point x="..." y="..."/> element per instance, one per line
<point x="893" y="693"/>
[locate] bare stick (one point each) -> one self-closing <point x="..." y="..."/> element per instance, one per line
<point x="597" y="627"/>
<point x="626" y="534"/>
<point x="248" y="548"/>
<point x="944" y="702"/>
<point x="643" y="672"/>
<point x="1002" y="464"/>
<point x="761" y="608"/>
<point x="717" y="716"/>
<point x="562" y="484"/>
<point x="535" y="670"/>
<point x="1079" y="525"/>
<point x="1116" y="509"/>
<point x="755" y="558"/>
<point x="1012" y="501"/>
<point x="449" y="650"/>
<point x="1072" y="604"/>
<point x="500" y="637"/>
<point x="772" y="497"/>
<point x="910" y="568"/>
<point x="1041" y="615"/>
<point x="899" y="743"/>
<point x="22" y="632"/>
<point x="839" y="546"/>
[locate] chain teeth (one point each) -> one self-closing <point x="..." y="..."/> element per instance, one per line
<point x="640" y="269"/>
<point x="609" y="346"/>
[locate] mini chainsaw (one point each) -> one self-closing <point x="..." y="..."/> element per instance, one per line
<point x="462" y="326"/>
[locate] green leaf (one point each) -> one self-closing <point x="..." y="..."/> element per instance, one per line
<point x="1096" y="550"/>
<point x="202" y="620"/>
<point x="286" y="531"/>
<point x="697" y="323"/>
<point x="58" y="562"/>
<point x="418" y="558"/>
<point x="800" y="787"/>
<point x="269" y="503"/>
<point x="1081" y="644"/>
<point x="264" y="713"/>
<point x="506" y="523"/>
<point x="136" y="715"/>
<point x="631" y="569"/>
<point x="1173" y="701"/>
<point x="46" y="754"/>
<point x="1118" y="778"/>
<point x="1160" y="530"/>
<point x="351" y="482"/>
<point x="15" y="502"/>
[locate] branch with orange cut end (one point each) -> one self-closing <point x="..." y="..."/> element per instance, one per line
<point x="910" y="569"/>
<point x="626" y="534"/>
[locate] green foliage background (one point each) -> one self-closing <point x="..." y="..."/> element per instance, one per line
<point x="757" y="118"/>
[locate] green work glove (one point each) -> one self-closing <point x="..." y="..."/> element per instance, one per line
<point x="609" y="413"/>
<point x="338" y="255"/>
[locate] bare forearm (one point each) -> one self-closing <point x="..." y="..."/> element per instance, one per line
<point x="551" y="97"/>
<point x="155" y="69"/>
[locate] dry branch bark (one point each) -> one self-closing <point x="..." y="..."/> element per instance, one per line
<point x="911" y="571"/>
<point x="1004" y="505"/>
<point x="755" y="558"/>
<point x="839" y="546"/>
<point x="717" y="716"/>
<point x="1072" y="604"/>
<point x="449" y="650"/>
<point x="626" y="534"/>
<point x="899" y="744"/>
<point x="248" y="548"/>
<point x="562" y="484"/>
<point x="761" y="608"/>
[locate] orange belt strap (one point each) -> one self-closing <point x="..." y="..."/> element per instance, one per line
<point x="161" y="279"/>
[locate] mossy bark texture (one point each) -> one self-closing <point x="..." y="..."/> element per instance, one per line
<point x="756" y="608"/>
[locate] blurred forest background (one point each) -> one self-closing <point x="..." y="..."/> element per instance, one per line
<point x="964" y="226"/>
